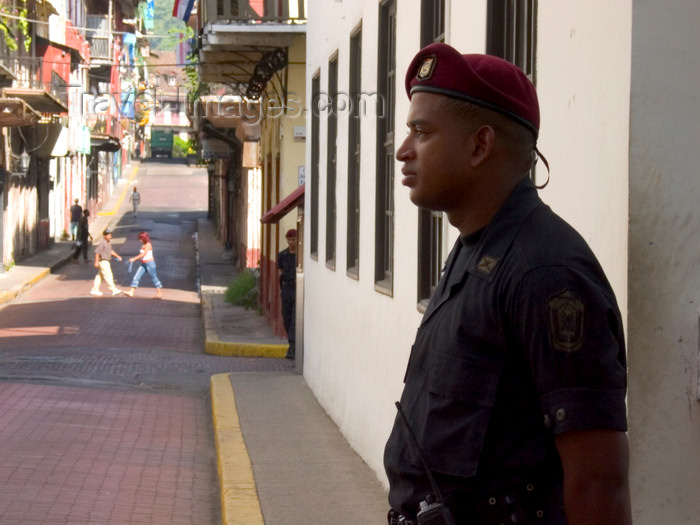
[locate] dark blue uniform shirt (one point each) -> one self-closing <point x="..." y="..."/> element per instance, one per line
<point x="287" y="262"/>
<point x="521" y="341"/>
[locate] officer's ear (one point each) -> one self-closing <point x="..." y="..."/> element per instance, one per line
<point x="482" y="146"/>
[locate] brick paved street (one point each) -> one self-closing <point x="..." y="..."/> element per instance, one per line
<point x="105" y="399"/>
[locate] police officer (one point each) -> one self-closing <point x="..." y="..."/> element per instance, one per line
<point x="287" y="270"/>
<point x="515" y="386"/>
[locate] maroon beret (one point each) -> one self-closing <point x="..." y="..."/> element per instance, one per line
<point x="485" y="80"/>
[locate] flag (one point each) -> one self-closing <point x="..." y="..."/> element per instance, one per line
<point x="182" y="9"/>
<point x="149" y="13"/>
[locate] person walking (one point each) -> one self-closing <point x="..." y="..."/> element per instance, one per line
<point x="81" y="243"/>
<point x="103" y="256"/>
<point x="148" y="264"/>
<point x="513" y="408"/>
<point x="75" y="215"/>
<point x="135" y="200"/>
<point x="287" y="270"/>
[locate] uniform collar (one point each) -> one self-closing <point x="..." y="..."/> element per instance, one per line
<point x="499" y="234"/>
<point x="493" y="245"/>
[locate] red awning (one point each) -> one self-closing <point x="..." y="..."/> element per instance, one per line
<point x="283" y="207"/>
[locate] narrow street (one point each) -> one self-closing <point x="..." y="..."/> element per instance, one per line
<point x="104" y="400"/>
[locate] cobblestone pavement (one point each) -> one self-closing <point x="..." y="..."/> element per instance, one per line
<point x="105" y="399"/>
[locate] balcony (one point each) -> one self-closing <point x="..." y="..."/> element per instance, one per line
<point x="238" y="35"/>
<point x="105" y="132"/>
<point x="99" y="36"/>
<point x="254" y="11"/>
<point x="44" y="96"/>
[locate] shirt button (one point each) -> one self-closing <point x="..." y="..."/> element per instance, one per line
<point x="561" y="415"/>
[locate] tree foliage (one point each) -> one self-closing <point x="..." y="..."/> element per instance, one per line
<point x="165" y="24"/>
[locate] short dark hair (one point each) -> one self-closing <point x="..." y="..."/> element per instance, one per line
<point x="517" y="136"/>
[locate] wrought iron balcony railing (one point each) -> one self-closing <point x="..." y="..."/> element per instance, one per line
<point x="29" y="73"/>
<point x="100" y="38"/>
<point x="254" y="11"/>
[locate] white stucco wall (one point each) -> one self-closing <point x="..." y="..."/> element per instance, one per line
<point x="583" y="72"/>
<point x="357" y="341"/>
<point x="664" y="262"/>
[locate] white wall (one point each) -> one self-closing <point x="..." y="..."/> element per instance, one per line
<point x="357" y="341"/>
<point x="583" y="75"/>
<point x="664" y="263"/>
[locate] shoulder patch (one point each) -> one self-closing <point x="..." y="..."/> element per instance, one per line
<point x="566" y="313"/>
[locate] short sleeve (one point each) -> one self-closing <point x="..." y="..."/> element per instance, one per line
<point x="570" y="329"/>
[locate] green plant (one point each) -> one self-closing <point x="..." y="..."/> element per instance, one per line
<point x="181" y="148"/>
<point x="243" y="290"/>
<point x="193" y="80"/>
<point x="17" y="22"/>
<point x="9" y="265"/>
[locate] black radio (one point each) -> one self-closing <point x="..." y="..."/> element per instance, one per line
<point x="434" y="510"/>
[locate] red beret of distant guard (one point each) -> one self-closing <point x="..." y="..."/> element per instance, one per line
<point x="485" y="80"/>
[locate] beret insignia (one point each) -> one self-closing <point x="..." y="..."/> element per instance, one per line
<point x="425" y="71"/>
<point x="566" y="312"/>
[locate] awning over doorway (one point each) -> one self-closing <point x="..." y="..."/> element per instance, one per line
<point x="16" y="112"/>
<point x="104" y="142"/>
<point x="283" y="207"/>
<point x="38" y="99"/>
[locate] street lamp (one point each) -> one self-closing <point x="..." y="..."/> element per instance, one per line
<point x="24" y="160"/>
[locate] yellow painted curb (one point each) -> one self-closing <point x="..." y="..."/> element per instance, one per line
<point x="231" y="349"/>
<point x="239" y="496"/>
<point x="11" y="294"/>
<point x="215" y="346"/>
<point x="121" y="197"/>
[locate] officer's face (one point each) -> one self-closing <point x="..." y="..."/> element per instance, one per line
<point x="435" y="154"/>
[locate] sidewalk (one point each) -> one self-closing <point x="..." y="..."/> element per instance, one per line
<point x="281" y="459"/>
<point x="230" y="330"/>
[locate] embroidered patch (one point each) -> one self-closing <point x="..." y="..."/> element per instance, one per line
<point x="566" y="312"/>
<point x="425" y="71"/>
<point x="486" y="264"/>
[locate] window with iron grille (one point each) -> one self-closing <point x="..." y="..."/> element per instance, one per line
<point x="384" y="226"/>
<point x="331" y="161"/>
<point x="512" y="32"/>
<point x="512" y="35"/>
<point x="315" y="142"/>
<point x="353" y="240"/>
<point x="430" y="223"/>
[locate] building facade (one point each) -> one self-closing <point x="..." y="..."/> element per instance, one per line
<point x="62" y="129"/>
<point x="251" y="125"/>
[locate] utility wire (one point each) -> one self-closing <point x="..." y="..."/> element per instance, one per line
<point x="6" y="15"/>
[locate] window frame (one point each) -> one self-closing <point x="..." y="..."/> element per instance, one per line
<point x="512" y="35"/>
<point x="386" y="88"/>
<point x="430" y="223"/>
<point x="332" y="161"/>
<point x="315" y="154"/>
<point x="352" y="262"/>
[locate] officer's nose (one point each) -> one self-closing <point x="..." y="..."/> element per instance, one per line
<point x="404" y="152"/>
